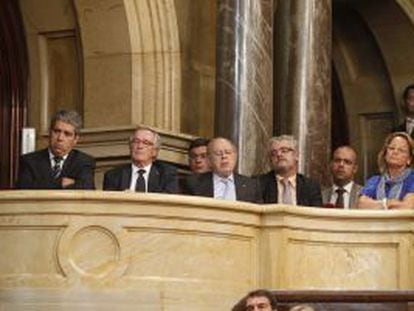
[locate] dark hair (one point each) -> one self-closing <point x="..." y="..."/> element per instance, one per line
<point x="262" y="293"/>
<point x="198" y="142"/>
<point x="71" y="117"/>
<point x="406" y="90"/>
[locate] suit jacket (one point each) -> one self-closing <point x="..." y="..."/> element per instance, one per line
<point x="353" y="200"/>
<point x="162" y="178"/>
<point x="308" y="191"/>
<point x="247" y="189"/>
<point x="35" y="171"/>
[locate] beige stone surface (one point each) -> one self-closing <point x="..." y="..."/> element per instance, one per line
<point x="67" y="250"/>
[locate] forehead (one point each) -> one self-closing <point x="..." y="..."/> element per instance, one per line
<point x="64" y="125"/>
<point x="221" y="144"/>
<point x="400" y="141"/>
<point x="144" y="134"/>
<point x="257" y="300"/>
<point x="344" y="153"/>
<point x="199" y="149"/>
<point x="282" y="143"/>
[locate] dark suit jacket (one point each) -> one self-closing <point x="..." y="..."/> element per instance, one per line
<point x="35" y="171"/>
<point x="162" y="178"/>
<point x="400" y="128"/>
<point x="308" y="191"/>
<point x="247" y="189"/>
<point x="354" y="195"/>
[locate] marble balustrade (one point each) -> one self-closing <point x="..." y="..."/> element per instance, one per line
<point x="93" y="250"/>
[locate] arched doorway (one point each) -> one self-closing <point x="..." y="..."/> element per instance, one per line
<point x="13" y="89"/>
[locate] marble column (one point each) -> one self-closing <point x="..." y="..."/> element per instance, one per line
<point x="303" y="80"/>
<point x="244" y="87"/>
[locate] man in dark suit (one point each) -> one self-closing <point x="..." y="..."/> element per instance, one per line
<point x="284" y="184"/>
<point x="344" y="192"/>
<point x="144" y="174"/>
<point x="222" y="182"/>
<point x="408" y="109"/>
<point x="59" y="166"/>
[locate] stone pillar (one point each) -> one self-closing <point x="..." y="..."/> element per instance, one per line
<point x="303" y="79"/>
<point x="244" y="87"/>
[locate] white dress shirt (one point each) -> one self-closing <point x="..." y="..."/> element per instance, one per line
<point x="135" y="174"/>
<point x="224" y="188"/>
<point x="346" y="194"/>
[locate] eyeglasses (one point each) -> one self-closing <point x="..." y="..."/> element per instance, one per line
<point x="146" y="143"/>
<point x="282" y="150"/>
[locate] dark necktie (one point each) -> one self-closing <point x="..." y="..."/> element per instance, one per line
<point x="340" y="198"/>
<point x="57" y="168"/>
<point x="140" y="185"/>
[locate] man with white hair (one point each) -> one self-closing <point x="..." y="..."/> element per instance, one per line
<point x="145" y="173"/>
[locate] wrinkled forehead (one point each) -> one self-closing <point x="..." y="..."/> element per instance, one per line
<point x="221" y="144"/>
<point x="144" y="134"/>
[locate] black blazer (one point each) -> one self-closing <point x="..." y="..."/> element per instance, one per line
<point x="35" y="171"/>
<point x="308" y="191"/>
<point x="247" y="189"/>
<point x="162" y="178"/>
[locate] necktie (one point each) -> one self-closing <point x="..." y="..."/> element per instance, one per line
<point x="140" y="185"/>
<point x="340" y="197"/>
<point x="287" y="192"/>
<point x="57" y="168"/>
<point x="227" y="195"/>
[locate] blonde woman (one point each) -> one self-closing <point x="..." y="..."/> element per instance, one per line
<point x="394" y="187"/>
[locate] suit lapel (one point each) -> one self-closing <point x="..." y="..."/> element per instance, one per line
<point x="125" y="181"/>
<point x="299" y="190"/>
<point x="153" y="179"/>
<point x="271" y="188"/>
<point x="46" y="167"/>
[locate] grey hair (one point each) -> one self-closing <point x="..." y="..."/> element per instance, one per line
<point x="277" y="139"/>
<point x="157" y="138"/>
<point x="70" y="117"/>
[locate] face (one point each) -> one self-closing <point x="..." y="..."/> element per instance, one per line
<point x="398" y="153"/>
<point x="222" y="157"/>
<point x="284" y="157"/>
<point x="62" y="138"/>
<point x="258" y="304"/>
<point x="198" y="160"/>
<point x="142" y="147"/>
<point x="343" y="166"/>
<point x="409" y="101"/>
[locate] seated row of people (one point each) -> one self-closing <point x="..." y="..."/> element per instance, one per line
<point x="60" y="166"/>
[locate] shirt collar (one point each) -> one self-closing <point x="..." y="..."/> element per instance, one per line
<point x="347" y="187"/>
<point x="217" y="178"/>
<point x="52" y="156"/>
<point x="135" y="168"/>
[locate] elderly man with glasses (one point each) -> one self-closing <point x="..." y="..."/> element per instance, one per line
<point x="144" y="173"/>
<point x="223" y="182"/>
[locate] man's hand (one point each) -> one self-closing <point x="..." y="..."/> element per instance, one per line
<point x="67" y="182"/>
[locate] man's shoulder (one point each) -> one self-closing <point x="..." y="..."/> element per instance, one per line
<point x="196" y="178"/>
<point x="270" y="175"/>
<point x="118" y="169"/>
<point x="35" y="155"/>
<point x="164" y="167"/>
<point x="77" y="154"/>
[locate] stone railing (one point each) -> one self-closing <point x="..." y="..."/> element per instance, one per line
<point x="67" y="250"/>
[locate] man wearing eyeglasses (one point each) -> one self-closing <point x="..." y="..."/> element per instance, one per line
<point x="222" y="182"/>
<point x="144" y="173"/>
<point x="284" y="184"/>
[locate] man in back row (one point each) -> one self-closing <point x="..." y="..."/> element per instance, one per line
<point x="223" y="182"/>
<point x="59" y="166"/>
<point x="145" y="173"/>
<point x="284" y="184"/>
